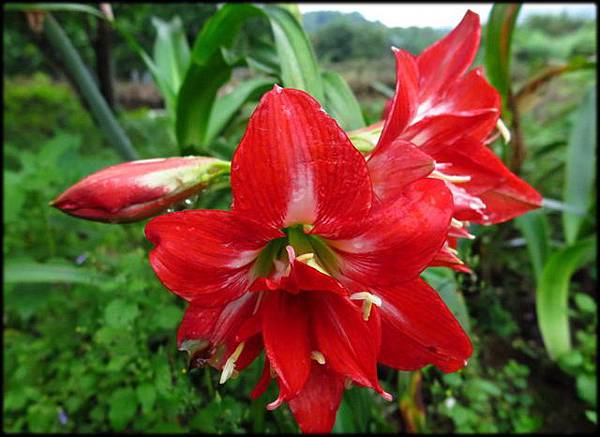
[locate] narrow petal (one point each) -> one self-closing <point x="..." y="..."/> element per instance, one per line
<point x="404" y="105"/>
<point x="399" y="240"/>
<point x="286" y="337"/>
<point x="447" y="59"/>
<point x="344" y="338"/>
<point x="470" y="92"/>
<point x="296" y="165"/>
<point x="446" y="258"/>
<point x="316" y="406"/>
<point x="206" y="256"/>
<point x="392" y="168"/>
<point x="504" y="195"/>
<point x="413" y="310"/>
<point x="436" y="132"/>
<point x="263" y="382"/>
<point x="215" y="327"/>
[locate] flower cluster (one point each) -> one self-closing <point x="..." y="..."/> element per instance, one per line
<point x="318" y="262"/>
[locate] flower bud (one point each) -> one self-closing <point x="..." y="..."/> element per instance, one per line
<point x="136" y="190"/>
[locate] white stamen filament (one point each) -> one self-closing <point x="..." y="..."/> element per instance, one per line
<point x="318" y="357"/>
<point x="450" y="178"/>
<point x="369" y="299"/>
<point x="452" y="250"/>
<point x="456" y="223"/>
<point x="258" y="301"/>
<point x="503" y="131"/>
<point x="229" y="366"/>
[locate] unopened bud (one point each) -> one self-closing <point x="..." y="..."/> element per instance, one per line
<point x="366" y="138"/>
<point x="136" y="190"/>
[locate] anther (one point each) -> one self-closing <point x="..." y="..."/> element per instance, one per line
<point x="306" y="257"/>
<point x="229" y="366"/>
<point x="318" y="357"/>
<point x="368" y="301"/>
<point x="503" y="131"/>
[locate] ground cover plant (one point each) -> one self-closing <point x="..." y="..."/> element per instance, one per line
<point x="373" y="236"/>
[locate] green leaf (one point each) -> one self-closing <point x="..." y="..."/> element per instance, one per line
<point x="207" y="73"/>
<point x="122" y="407"/>
<point x="341" y="103"/>
<point x="14" y="195"/>
<point x="552" y="294"/>
<point x="120" y="313"/>
<point x="299" y="67"/>
<point x="580" y="171"/>
<point x="225" y="108"/>
<point x="210" y="68"/>
<point x="62" y="7"/>
<point x="586" y="388"/>
<point x="146" y="395"/>
<point x="444" y="281"/>
<point x="500" y="26"/>
<point x="535" y="229"/>
<point x="585" y="303"/>
<point x="31" y="272"/>
<point x="171" y="58"/>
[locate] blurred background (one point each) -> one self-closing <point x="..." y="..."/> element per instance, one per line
<point x="89" y="333"/>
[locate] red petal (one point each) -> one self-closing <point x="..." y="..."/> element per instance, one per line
<point x="393" y="167"/>
<point x="471" y="92"/>
<point x="217" y="325"/>
<point x="404" y="105"/>
<point x="447" y="59"/>
<point x="505" y="195"/>
<point x="445" y="258"/>
<point x="263" y="382"/>
<point x="399" y="240"/>
<point x="344" y="338"/>
<point x="286" y="338"/>
<point x="434" y="133"/>
<point x="296" y="165"/>
<point x="206" y="256"/>
<point x="316" y="406"/>
<point x="415" y="311"/>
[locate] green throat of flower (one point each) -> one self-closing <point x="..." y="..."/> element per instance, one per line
<point x="307" y="247"/>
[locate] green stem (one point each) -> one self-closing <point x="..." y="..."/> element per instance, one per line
<point x="208" y="382"/>
<point x="84" y="81"/>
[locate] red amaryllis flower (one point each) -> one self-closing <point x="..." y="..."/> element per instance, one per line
<point x="441" y="115"/>
<point x="298" y="181"/>
<point x="137" y="190"/>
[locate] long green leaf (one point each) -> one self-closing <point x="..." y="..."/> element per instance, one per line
<point x="500" y="26"/>
<point x="535" y="229"/>
<point x="225" y="108"/>
<point x="299" y="67"/>
<point x="580" y="171"/>
<point x="59" y="7"/>
<point x="444" y="281"/>
<point x="341" y="103"/>
<point x="553" y="291"/>
<point x="171" y="57"/>
<point x="25" y="271"/>
<point x="210" y="69"/>
<point x="207" y="73"/>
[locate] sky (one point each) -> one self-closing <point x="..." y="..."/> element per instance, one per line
<point x="440" y="15"/>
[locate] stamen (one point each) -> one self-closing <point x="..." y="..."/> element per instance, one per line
<point x="452" y="250"/>
<point x="503" y="131"/>
<point x="347" y="383"/>
<point x="258" y="301"/>
<point x="450" y="178"/>
<point x="369" y="300"/>
<point x="229" y="366"/>
<point x="318" y="357"/>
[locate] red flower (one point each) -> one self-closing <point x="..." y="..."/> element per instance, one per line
<point x="443" y="114"/>
<point x="137" y="190"/>
<point x="298" y="183"/>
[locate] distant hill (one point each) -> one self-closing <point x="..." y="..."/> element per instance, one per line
<point x="339" y="36"/>
<point x="313" y="21"/>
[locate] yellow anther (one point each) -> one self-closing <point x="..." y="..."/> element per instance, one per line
<point x="450" y="178"/>
<point x="503" y="131"/>
<point x="229" y="366"/>
<point x="368" y="301"/>
<point x="318" y="357"/>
